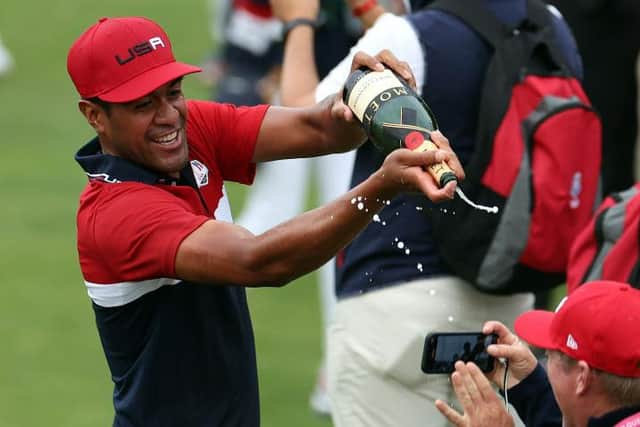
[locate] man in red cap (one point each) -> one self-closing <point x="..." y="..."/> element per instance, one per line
<point x="163" y="265"/>
<point x="593" y="368"/>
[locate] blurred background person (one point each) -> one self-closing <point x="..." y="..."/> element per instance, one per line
<point x="246" y="71"/>
<point x="607" y="33"/>
<point x="392" y="286"/>
<point x="608" y="36"/>
<point x="247" y="53"/>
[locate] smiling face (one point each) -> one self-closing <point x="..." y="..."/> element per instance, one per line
<point x="149" y="131"/>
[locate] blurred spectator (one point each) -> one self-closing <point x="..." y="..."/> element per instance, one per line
<point x="608" y="36"/>
<point x="249" y="51"/>
<point x="248" y="72"/>
<point x="392" y="286"/>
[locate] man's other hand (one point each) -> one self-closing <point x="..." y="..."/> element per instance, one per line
<point x="481" y="405"/>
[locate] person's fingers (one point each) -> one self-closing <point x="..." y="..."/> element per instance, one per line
<point x="482" y="384"/>
<point x="521" y="362"/>
<point x="470" y="385"/>
<point x="361" y="59"/>
<point x="450" y="189"/>
<point x="443" y="143"/>
<point x="440" y="140"/>
<point x="422" y="158"/>
<point x="506" y="351"/>
<point x="415" y="173"/>
<point x="460" y="388"/>
<point x="421" y="180"/>
<point x="410" y="170"/>
<point x="505" y="336"/>
<point x="340" y="110"/>
<point x="449" y="413"/>
<point x="400" y="67"/>
<point x="408" y="75"/>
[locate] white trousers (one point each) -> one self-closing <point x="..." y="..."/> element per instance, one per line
<point x="375" y="349"/>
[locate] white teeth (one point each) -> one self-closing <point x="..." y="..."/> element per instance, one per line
<point x="167" y="139"/>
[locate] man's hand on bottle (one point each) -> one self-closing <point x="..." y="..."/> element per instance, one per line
<point x="378" y="62"/>
<point x="404" y="170"/>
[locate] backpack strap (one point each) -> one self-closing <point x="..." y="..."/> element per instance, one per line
<point x="614" y="219"/>
<point x="540" y="17"/>
<point x="475" y="15"/>
<point x="538" y="14"/>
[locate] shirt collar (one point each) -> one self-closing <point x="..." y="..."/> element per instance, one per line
<point x="113" y="169"/>
<point x="611" y="418"/>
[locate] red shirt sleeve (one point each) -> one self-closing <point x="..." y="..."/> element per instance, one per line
<point x="227" y="135"/>
<point x="131" y="232"/>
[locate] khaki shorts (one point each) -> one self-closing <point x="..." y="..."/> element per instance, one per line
<point x="375" y="349"/>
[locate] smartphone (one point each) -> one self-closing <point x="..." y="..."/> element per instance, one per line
<point x="442" y="350"/>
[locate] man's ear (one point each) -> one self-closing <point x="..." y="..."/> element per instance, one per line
<point x="93" y="113"/>
<point x="584" y="379"/>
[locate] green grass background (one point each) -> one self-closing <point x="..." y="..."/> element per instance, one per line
<point x="52" y="370"/>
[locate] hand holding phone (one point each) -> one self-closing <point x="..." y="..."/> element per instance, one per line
<point x="443" y="349"/>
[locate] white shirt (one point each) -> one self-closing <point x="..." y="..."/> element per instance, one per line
<point x="391" y="32"/>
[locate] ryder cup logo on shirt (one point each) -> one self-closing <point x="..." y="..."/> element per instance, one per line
<point x="200" y="173"/>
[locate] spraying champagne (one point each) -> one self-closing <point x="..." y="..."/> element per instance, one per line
<point x="394" y="116"/>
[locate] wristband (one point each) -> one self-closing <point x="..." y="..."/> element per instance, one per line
<point x="364" y="7"/>
<point x="290" y="25"/>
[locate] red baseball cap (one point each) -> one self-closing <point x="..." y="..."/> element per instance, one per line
<point x="598" y="323"/>
<point x="122" y="59"/>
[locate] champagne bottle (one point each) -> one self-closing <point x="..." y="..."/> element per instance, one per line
<point x="393" y="115"/>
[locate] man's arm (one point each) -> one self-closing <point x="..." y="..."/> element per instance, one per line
<point x="324" y="128"/>
<point x="299" y="74"/>
<point x="224" y="253"/>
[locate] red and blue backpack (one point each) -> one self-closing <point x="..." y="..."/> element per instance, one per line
<point x="537" y="157"/>
<point x="608" y="248"/>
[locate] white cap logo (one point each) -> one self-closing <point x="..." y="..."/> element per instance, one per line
<point x="571" y="343"/>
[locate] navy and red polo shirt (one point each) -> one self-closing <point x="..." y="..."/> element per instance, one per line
<point x="179" y="353"/>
